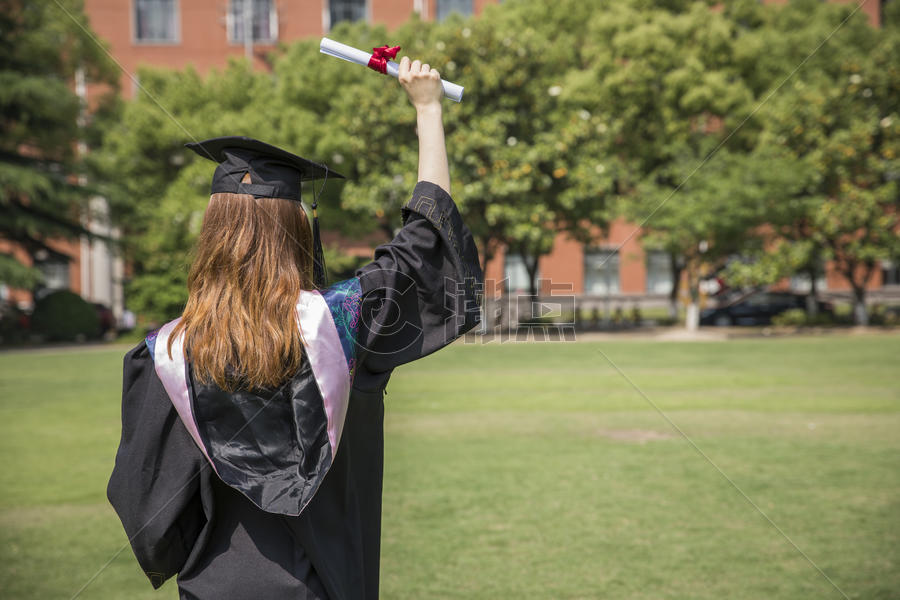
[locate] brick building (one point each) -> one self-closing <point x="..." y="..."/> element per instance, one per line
<point x="204" y="33"/>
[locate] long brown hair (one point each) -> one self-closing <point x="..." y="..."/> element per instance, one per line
<point x="253" y="257"/>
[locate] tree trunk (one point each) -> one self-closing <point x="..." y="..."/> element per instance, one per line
<point x="387" y="229"/>
<point x="860" y="314"/>
<point x="692" y="318"/>
<point x="489" y="306"/>
<point x="487" y="253"/>
<point x="677" y="269"/>
<point x="851" y="272"/>
<point x="531" y="266"/>
<point x="812" y="300"/>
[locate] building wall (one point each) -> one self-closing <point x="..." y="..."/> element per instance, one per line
<point x="393" y="13"/>
<point x="203" y="37"/>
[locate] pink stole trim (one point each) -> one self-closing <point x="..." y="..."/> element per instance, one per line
<point x="326" y="357"/>
<point x="172" y="373"/>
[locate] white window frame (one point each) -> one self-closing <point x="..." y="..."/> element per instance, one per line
<point x="273" y="25"/>
<point x="799" y="283"/>
<point x="649" y="257"/>
<point x="57" y="273"/>
<point x="518" y="264"/>
<point x="614" y="286"/>
<point x="155" y="42"/>
<point x="887" y="265"/>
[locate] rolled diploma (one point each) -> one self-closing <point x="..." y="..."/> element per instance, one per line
<point x="360" y="57"/>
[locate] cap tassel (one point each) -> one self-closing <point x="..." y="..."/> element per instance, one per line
<point x="320" y="274"/>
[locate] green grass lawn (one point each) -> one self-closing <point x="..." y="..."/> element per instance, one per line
<point x="535" y="471"/>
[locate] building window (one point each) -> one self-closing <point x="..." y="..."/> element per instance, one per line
<point x="890" y="273"/>
<point x="264" y="24"/>
<point x="55" y="272"/>
<point x="801" y="283"/>
<point x="659" y="272"/>
<point x="346" y="10"/>
<point x="447" y="7"/>
<point x="156" y="21"/>
<point x="516" y="274"/>
<point x="601" y="271"/>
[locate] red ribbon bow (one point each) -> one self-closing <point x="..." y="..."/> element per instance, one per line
<point x="380" y="57"/>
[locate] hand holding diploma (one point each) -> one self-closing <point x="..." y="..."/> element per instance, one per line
<point x="421" y="83"/>
<point x="378" y="60"/>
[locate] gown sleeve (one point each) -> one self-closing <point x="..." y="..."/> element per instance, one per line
<point x="160" y="485"/>
<point x="423" y="289"/>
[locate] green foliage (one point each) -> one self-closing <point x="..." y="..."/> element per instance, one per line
<point x="159" y="189"/>
<point x="797" y="317"/>
<point x="660" y="88"/>
<point x="837" y="122"/>
<point x="794" y="317"/>
<point x="509" y="163"/>
<point x="696" y="124"/>
<point x="64" y="316"/>
<point x="43" y="45"/>
<point x="15" y="274"/>
<point x="341" y="266"/>
<point x="510" y="158"/>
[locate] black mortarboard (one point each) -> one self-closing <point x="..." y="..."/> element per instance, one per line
<point x="274" y="173"/>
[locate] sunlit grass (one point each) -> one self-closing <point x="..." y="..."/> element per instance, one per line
<point x="535" y="471"/>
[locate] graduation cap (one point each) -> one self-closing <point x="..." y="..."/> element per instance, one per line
<point x="274" y="173"/>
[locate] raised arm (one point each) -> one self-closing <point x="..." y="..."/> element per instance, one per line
<point x="422" y="290"/>
<point x="423" y="86"/>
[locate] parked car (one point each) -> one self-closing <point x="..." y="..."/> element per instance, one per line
<point x="105" y="317"/>
<point x="757" y="308"/>
<point x="14" y="324"/>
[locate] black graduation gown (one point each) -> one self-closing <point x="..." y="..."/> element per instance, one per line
<point x="421" y="291"/>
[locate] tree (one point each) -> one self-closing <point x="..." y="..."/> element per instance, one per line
<point x="838" y="121"/>
<point x="42" y="195"/>
<point x="510" y="151"/>
<point x="159" y="190"/>
<point x="668" y="87"/>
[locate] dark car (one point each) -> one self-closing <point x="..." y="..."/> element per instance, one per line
<point x="757" y="308"/>
<point x="105" y="318"/>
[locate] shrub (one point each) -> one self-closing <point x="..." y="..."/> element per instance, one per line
<point x="64" y="316"/>
<point x="795" y="317"/>
<point x="822" y="318"/>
